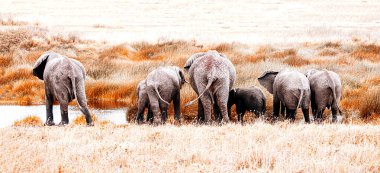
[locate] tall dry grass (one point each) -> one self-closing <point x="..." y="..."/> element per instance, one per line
<point x="258" y="147"/>
<point x="113" y="71"/>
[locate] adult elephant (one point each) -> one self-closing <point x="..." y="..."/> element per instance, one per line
<point x="212" y="76"/>
<point x="163" y="85"/>
<point x="289" y="88"/>
<point x="326" y="91"/>
<point x="143" y="102"/>
<point x="64" y="81"/>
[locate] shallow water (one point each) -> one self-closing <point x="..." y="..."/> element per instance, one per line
<point x="11" y="113"/>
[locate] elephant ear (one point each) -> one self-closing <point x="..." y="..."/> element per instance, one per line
<point x="190" y="61"/>
<point x="181" y="77"/>
<point x="39" y="66"/>
<point x="267" y="80"/>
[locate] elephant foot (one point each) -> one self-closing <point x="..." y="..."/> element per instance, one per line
<point x="63" y="123"/>
<point x="334" y="119"/>
<point x="49" y="123"/>
<point x="90" y="124"/>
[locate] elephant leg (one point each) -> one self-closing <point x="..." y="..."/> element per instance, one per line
<point x="82" y="102"/>
<point x="201" y="113"/>
<point x="222" y="100"/>
<point x="239" y="112"/>
<point x="334" y="112"/>
<point x="64" y="113"/>
<point x="306" y="115"/>
<point x="242" y="115"/>
<point x="164" y="112"/>
<point x="218" y="115"/>
<point x="290" y="113"/>
<point x="49" y="99"/>
<point x="154" y="106"/>
<point x="140" y="113"/>
<point x="206" y="102"/>
<point x="282" y="109"/>
<point x="177" y="106"/>
<point x="149" y="117"/>
<point x="276" y="107"/>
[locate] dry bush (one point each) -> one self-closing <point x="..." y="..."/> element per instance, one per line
<point x="331" y="45"/>
<point x="367" y="52"/>
<point x="224" y="48"/>
<point x="296" y="61"/>
<point x="284" y="53"/>
<point x="29" y="121"/>
<point x="5" y="60"/>
<point x="32" y="57"/>
<point x="327" y="52"/>
<point x="374" y="81"/>
<point x="114" y="52"/>
<point x="370" y="103"/>
<point x="12" y="38"/>
<point x="16" y="74"/>
<point x="11" y="22"/>
<point x="352" y="98"/>
<point x="111" y="92"/>
<point x="81" y="119"/>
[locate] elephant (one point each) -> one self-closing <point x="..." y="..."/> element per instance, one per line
<point x="143" y="102"/>
<point x="64" y="81"/>
<point x="163" y="85"/>
<point x="214" y="74"/>
<point x="326" y="91"/>
<point x="246" y="99"/>
<point x="290" y="89"/>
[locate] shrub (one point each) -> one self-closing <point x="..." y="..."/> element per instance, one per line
<point x="29" y="121"/>
<point x="370" y="103"/>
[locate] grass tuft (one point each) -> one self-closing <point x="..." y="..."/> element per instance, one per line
<point x="29" y="121"/>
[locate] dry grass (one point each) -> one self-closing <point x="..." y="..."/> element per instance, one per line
<point x="81" y="120"/>
<point x="29" y="121"/>
<point x="296" y="61"/>
<point x="256" y="147"/>
<point x="367" y="52"/>
<point x="370" y="104"/>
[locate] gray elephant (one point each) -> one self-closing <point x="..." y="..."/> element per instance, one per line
<point x="247" y="99"/>
<point x="64" y="81"/>
<point x="326" y="91"/>
<point x="163" y="85"/>
<point x="212" y="76"/>
<point x="289" y="88"/>
<point x="143" y="102"/>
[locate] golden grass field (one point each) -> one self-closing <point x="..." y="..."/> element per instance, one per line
<point x="114" y="69"/>
<point x="262" y="147"/>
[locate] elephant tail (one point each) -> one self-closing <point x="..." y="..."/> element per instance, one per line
<point x="159" y="96"/>
<point x="332" y="88"/>
<point x="211" y="80"/>
<point x="300" y="98"/>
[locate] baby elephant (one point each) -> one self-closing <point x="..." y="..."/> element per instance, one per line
<point x="143" y="102"/>
<point x="326" y="90"/>
<point x="246" y="99"/>
<point x="64" y="81"/>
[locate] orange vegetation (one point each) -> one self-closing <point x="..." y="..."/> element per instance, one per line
<point x="29" y="121"/>
<point x="367" y="51"/>
<point x="81" y="120"/>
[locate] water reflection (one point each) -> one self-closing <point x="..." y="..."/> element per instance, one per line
<point x="12" y="113"/>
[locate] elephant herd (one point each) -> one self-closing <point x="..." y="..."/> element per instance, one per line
<point x="212" y="77"/>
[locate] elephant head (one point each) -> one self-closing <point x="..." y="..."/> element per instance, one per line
<point x="39" y="66"/>
<point x="190" y="61"/>
<point x="267" y="80"/>
<point x="310" y="72"/>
